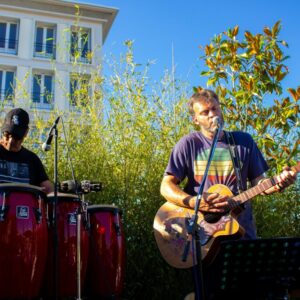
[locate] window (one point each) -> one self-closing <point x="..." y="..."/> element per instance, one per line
<point x="7" y="84"/>
<point x="81" y="45"/>
<point x="8" y="37"/>
<point x="45" y="45"/>
<point x="79" y="90"/>
<point x="42" y="91"/>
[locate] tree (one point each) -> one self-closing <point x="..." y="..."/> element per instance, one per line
<point x="247" y="74"/>
<point x="122" y="137"/>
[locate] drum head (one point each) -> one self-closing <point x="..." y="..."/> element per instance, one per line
<point x="104" y="207"/>
<point x="64" y="197"/>
<point x="22" y="187"/>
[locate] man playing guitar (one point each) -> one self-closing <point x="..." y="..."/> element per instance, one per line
<point x="229" y="169"/>
<point x="189" y="157"/>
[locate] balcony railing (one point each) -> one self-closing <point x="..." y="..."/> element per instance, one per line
<point x="42" y="101"/>
<point x="44" y="50"/>
<point x="81" y="55"/>
<point x="9" y="46"/>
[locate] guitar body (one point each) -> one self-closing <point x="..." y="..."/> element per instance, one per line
<point x="170" y="231"/>
<point x="171" y="224"/>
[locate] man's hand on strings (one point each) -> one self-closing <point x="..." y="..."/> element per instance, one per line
<point x="214" y="203"/>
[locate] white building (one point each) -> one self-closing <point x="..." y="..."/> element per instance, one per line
<point x="39" y="42"/>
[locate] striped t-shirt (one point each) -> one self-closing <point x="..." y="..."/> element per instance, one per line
<point x="189" y="158"/>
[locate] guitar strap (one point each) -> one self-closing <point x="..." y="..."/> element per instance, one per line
<point x="235" y="160"/>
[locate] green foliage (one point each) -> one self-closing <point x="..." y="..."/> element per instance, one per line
<point x="122" y="136"/>
<point x="247" y="74"/>
<point x="124" y="128"/>
<point x="278" y="215"/>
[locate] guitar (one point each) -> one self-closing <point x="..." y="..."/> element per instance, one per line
<point x="171" y="224"/>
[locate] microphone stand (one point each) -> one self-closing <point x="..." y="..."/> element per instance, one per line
<point x="55" y="235"/>
<point x="192" y="230"/>
<point x="79" y="214"/>
<point x="78" y="252"/>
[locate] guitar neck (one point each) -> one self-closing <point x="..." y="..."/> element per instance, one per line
<point x="254" y="191"/>
<point x="258" y="189"/>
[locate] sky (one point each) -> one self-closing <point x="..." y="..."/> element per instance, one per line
<point x="170" y="32"/>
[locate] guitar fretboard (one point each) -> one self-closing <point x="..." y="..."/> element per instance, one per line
<point x="252" y="192"/>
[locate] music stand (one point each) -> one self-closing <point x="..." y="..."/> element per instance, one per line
<point x="254" y="269"/>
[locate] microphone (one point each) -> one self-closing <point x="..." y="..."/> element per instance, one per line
<point x="216" y="121"/>
<point x="47" y="145"/>
<point x="69" y="186"/>
<point x="85" y="186"/>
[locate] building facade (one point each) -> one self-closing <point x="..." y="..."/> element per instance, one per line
<point x="48" y="50"/>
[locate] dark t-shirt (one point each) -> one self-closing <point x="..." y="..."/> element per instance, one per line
<point x="23" y="166"/>
<point x="189" y="159"/>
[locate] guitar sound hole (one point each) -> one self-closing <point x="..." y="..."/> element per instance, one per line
<point x="212" y="217"/>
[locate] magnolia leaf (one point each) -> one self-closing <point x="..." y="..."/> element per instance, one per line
<point x="286" y="149"/>
<point x="248" y="36"/>
<point x="235" y="31"/>
<point x="267" y="31"/>
<point x="281" y="75"/>
<point x="211" y="81"/>
<point x="205" y="73"/>
<point x="197" y="89"/>
<point x="294" y="93"/>
<point x="276" y="29"/>
<point x="210" y="64"/>
<point x="269" y="137"/>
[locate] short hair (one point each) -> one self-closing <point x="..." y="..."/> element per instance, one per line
<point x="204" y="95"/>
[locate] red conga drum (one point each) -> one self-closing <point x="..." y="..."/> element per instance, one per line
<point x="68" y="205"/>
<point x="23" y="241"/>
<point x="106" y="266"/>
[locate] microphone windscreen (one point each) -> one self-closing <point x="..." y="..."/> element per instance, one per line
<point x="216" y="120"/>
<point x="68" y="186"/>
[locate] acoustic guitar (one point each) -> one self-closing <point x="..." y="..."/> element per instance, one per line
<point x="171" y="223"/>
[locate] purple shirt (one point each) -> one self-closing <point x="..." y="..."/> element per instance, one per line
<point x="189" y="158"/>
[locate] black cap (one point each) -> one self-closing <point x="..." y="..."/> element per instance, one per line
<point x="16" y="122"/>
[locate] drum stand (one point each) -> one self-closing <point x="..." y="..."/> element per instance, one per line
<point x="79" y="214"/>
<point x="78" y="254"/>
<point x="78" y="251"/>
<point x="55" y="235"/>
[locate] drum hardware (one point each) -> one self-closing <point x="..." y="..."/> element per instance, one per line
<point x="84" y="213"/>
<point x="118" y="229"/>
<point x="89" y="186"/>
<point x="78" y="252"/>
<point x="3" y="209"/>
<point x="77" y="187"/>
<point x="38" y="211"/>
<point x="38" y="215"/>
<point x="3" y="212"/>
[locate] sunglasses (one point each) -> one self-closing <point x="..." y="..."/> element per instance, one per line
<point x="8" y="135"/>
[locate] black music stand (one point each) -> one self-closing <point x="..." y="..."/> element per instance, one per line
<point x="254" y="269"/>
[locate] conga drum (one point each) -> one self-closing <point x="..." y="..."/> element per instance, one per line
<point x="23" y="240"/>
<point x="64" y="278"/>
<point x="106" y="266"/>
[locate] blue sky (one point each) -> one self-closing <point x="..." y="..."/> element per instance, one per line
<point x="157" y="26"/>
